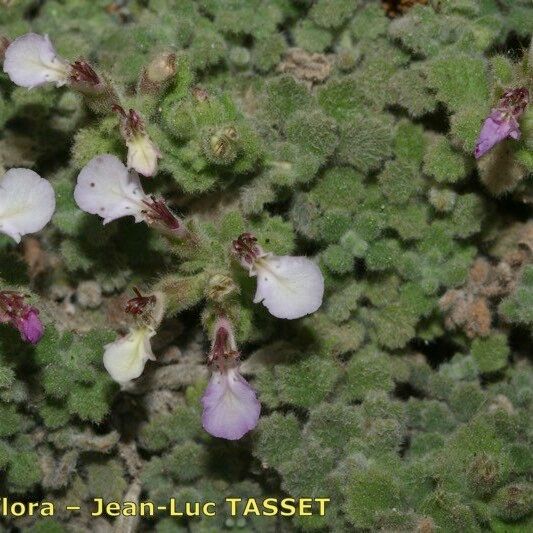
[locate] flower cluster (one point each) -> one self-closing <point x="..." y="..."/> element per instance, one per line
<point x="289" y="287"/>
<point x="502" y="123"/>
<point x="31" y="61"/>
<point x="22" y="316"/>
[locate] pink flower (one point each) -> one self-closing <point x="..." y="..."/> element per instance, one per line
<point x="502" y="123"/>
<point x="30" y="327"/>
<point x="496" y="128"/>
<point x="24" y="317"/>
<point x="231" y="407"/>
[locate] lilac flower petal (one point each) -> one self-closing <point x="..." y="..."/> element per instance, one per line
<point x="495" y="129"/>
<point x="30" y="326"/>
<point x="231" y="407"/>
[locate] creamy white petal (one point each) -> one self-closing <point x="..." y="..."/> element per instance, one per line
<point x="106" y="188"/>
<point x="27" y="202"/>
<point x="289" y="287"/>
<point x="125" y="358"/>
<point x="143" y="155"/>
<point x="231" y="407"/>
<point x="31" y="61"/>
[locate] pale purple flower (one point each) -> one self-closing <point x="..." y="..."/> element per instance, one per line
<point x="231" y="407"/>
<point x="15" y="311"/>
<point x="289" y="287"/>
<point x="502" y="123"/>
<point x="496" y="128"/>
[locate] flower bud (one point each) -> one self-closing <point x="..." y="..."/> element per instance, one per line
<point x="220" y="287"/>
<point x="221" y="147"/>
<point x="158" y="74"/>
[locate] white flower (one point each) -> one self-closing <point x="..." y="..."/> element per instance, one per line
<point x="289" y="287"/>
<point x="125" y="358"/>
<point x="31" y="61"/>
<point x="27" y="202"/>
<point x="106" y="188"/>
<point x="142" y="152"/>
<point x="142" y="155"/>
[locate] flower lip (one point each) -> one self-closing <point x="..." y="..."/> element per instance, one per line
<point x="289" y="287"/>
<point x="106" y="188"/>
<point x="30" y="327"/>
<point x="125" y="358"/>
<point x="27" y="202"/>
<point x="143" y="154"/>
<point x="230" y="406"/>
<point x="31" y="61"/>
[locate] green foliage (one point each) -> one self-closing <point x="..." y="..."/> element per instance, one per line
<point x="460" y="81"/>
<point x="423" y="31"/>
<point x="442" y="163"/>
<point x="106" y="480"/>
<point x="365" y="141"/>
<point x="279" y="436"/>
<point x="517" y="307"/>
<point x="356" y="153"/>
<point x="310" y="36"/>
<point x="332" y="13"/>
<point x="71" y="374"/>
<point x="366" y="372"/>
<point x="491" y="353"/>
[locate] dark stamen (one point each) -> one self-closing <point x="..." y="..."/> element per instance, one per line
<point x="83" y="72"/>
<point x="159" y="212"/>
<point x="137" y="305"/>
<point x="245" y="247"/>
